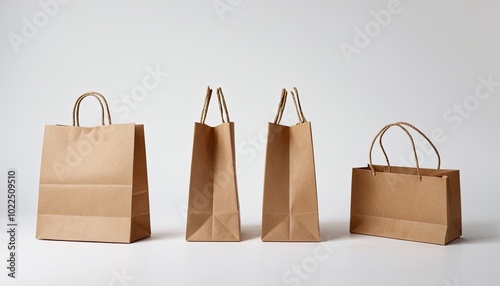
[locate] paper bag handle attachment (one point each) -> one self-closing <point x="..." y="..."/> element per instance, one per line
<point x="282" y="103"/>
<point x="99" y="97"/>
<point x="222" y="105"/>
<point x="402" y="125"/>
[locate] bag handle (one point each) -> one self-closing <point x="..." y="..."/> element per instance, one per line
<point x="281" y="106"/>
<point x="401" y="125"/>
<point x="282" y="103"/>
<point x="420" y="132"/>
<point x="99" y="97"/>
<point x="222" y="105"/>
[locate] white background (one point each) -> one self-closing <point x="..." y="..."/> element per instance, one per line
<point x="421" y="64"/>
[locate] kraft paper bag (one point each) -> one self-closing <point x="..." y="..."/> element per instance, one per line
<point x="213" y="207"/>
<point x="93" y="181"/>
<point x="406" y="203"/>
<point x="290" y="208"/>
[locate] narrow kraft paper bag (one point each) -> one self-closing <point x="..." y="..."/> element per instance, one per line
<point x="406" y="203"/>
<point x="93" y="181"/>
<point x="213" y="207"/>
<point x="290" y="208"/>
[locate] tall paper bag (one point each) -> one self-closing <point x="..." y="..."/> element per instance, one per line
<point x="290" y="207"/>
<point x="213" y="208"/>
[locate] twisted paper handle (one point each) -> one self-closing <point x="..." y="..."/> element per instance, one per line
<point x="100" y="98"/>
<point x="222" y="105"/>
<point x="401" y="125"/>
<point x="282" y="103"/>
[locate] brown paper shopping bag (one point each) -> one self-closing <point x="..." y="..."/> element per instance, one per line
<point x="213" y="208"/>
<point x="406" y="203"/>
<point x="93" y="181"/>
<point x="290" y="208"/>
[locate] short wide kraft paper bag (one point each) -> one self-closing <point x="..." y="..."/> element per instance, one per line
<point x="414" y="204"/>
<point x="290" y="208"/>
<point x="213" y="208"/>
<point x="93" y="182"/>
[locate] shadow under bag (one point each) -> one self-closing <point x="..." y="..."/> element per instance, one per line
<point x="290" y="208"/>
<point x="406" y="203"/>
<point x="93" y="181"/>
<point x="213" y="208"/>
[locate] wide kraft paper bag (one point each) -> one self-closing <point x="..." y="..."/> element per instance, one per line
<point x="213" y="207"/>
<point x="406" y="203"/>
<point x="93" y="182"/>
<point x="290" y="207"/>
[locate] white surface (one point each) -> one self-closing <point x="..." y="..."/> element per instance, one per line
<point x="417" y="68"/>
